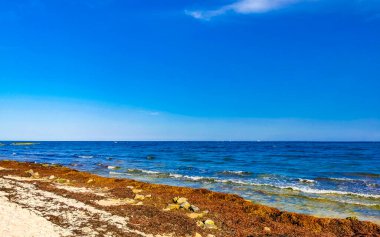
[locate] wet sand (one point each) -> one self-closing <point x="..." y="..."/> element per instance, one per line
<point x="46" y="200"/>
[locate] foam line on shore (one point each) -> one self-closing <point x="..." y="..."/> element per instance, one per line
<point x="241" y="182"/>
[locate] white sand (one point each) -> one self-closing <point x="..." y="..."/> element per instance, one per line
<point x="80" y="190"/>
<point x="27" y="213"/>
<point x="16" y="221"/>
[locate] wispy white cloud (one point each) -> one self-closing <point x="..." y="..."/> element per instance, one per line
<point x="242" y="7"/>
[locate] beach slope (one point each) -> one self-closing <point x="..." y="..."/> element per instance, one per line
<point x="49" y="200"/>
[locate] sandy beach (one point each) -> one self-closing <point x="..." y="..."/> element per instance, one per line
<point x="47" y="200"/>
<point x="238" y="118"/>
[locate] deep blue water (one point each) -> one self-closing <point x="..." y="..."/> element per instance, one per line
<point x="323" y="179"/>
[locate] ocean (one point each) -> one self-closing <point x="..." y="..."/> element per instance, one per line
<point x="325" y="179"/>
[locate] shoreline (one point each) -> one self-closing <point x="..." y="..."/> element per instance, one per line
<point x="126" y="207"/>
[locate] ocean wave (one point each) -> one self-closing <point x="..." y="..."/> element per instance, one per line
<point x="137" y="171"/>
<point x="343" y="179"/>
<point x="306" y="180"/>
<point x="173" y="175"/>
<point x="371" y="185"/>
<point x="367" y="183"/>
<point x="249" y="183"/>
<point x="115" y="173"/>
<point x="86" y="157"/>
<point x="333" y="179"/>
<point x="194" y="178"/>
<point x="373" y="205"/>
<point x="364" y="174"/>
<point x="238" y="173"/>
<point x="324" y="191"/>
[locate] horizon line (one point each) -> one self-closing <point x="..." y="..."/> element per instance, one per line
<point x="258" y="141"/>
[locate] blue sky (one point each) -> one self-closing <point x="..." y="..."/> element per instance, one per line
<point x="190" y="70"/>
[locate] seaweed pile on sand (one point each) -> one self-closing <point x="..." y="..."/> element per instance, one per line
<point x="82" y="204"/>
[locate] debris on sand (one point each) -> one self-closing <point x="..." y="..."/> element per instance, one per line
<point x="62" y="201"/>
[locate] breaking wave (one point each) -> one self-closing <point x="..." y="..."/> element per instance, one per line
<point x="306" y="180"/>
<point x="235" y="173"/>
<point x="86" y="157"/>
<point x="241" y="182"/>
<point x="323" y="191"/>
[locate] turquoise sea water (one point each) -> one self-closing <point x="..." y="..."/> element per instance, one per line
<point x="319" y="178"/>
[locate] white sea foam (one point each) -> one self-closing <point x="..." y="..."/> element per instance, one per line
<point x="324" y="191"/>
<point x="177" y="176"/>
<point x="86" y="157"/>
<point x="360" y="203"/>
<point x="343" y="179"/>
<point x="143" y="171"/>
<point x="306" y="180"/>
<point x="115" y="173"/>
<point x="192" y="178"/>
<point x="233" y="181"/>
<point x="233" y="172"/>
<point x="249" y="183"/>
